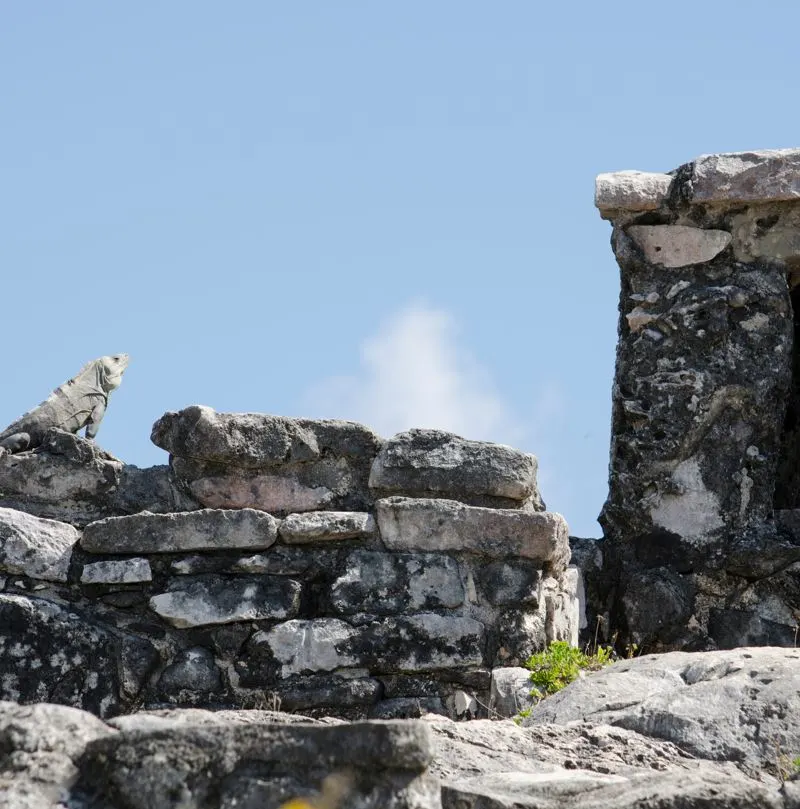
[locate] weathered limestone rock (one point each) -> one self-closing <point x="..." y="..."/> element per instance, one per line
<point x="206" y="530"/>
<point x="432" y="463"/>
<point x="41" y="747"/>
<point x="511" y="582"/>
<point x="706" y="398"/>
<point x="223" y="601"/>
<point x="386" y="584"/>
<point x="408" y="524"/>
<point x="510" y="692"/>
<point x="299" y="529"/>
<point x="263" y="765"/>
<point x="678" y="245"/>
<point x="302" y="646"/>
<point x="421" y="642"/>
<point x="35" y="547"/>
<point x="631" y="191"/>
<point x="52" y="654"/>
<point x="117" y="571"/>
<point x="271" y="463"/>
<point x="705" y="703"/>
<point x="736" y="177"/>
<point x="72" y="479"/>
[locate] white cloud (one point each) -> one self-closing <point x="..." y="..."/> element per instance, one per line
<point x="414" y="373"/>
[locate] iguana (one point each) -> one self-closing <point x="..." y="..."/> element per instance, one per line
<point x="80" y="402"/>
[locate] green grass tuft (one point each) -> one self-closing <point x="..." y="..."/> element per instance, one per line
<point x="560" y="664"/>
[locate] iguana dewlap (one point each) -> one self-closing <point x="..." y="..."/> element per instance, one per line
<point x="80" y="402"/>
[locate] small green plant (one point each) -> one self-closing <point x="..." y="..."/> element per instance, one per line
<point x="561" y="663"/>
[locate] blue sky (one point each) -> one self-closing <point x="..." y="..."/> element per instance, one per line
<point x="375" y="211"/>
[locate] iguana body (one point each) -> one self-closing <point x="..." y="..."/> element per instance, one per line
<point x="80" y="402"/>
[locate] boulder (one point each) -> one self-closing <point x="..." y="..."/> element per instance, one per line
<point x="708" y="703"/>
<point x="35" y="547"/>
<point x="203" y="530"/>
<point x="192" y="670"/>
<point x="432" y="463"/>
<point x="408" y="524"/>
<point x="510" y="692"/>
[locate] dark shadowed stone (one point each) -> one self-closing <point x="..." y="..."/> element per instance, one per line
<point x="656" y="602"/>
<point x="444" y="525"/>
<point x="327" y="691"/>
<point x="520" y="634"/>
<point x="407" y="708"/>
<point x="192" y="670"/>
<point x="138" y="658"/>
<point x="52" y="654"/>
<point x="432" y="463"/>
<point x="731" y="629"/>
<point x="222" y="601"/>
<point x="207" y="529"/>
<point x="386" y="583"/>
<point x="509" y="582"/>
<point x="260" y="765"/>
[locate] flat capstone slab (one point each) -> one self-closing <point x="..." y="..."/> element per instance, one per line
<point x="117" y="571"/>
<point x="409" y="524"/>
<point x="317" y="526"/>
<point x="203" y="530"/>
<point x="420" y="461"/>
<point x="631" y="190"/>
<point x="222" y="601"/>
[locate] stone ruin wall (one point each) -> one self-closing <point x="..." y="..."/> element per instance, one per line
<point x="276" y="562"/>
<point x="702" y="521"/>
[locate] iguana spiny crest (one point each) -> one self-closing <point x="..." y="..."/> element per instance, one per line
<point x="80" y="402"/>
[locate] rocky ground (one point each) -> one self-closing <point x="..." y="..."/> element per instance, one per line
<point x="682" y="730"/>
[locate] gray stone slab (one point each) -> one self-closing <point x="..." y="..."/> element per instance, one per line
<point x="223" y="601"/>
<point x="425" y="463"/>
<point x="408" y="524"/>
<point x="205" y="529"/>
<point x="35" y="547"/>
<point x="316" y="526"/>
<point x="117" y="571"/>
<point x="735" y="177"/>
<point x="631" y="190"/>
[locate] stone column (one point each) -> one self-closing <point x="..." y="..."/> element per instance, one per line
<point x="701" y="440"/>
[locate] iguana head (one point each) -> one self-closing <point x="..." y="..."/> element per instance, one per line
<point x="111" y="370"/>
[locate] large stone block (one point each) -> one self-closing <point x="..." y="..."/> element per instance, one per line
<point x="737" y="177"/>
<point x="631" y="191"/>
<point x="222" y="601"/>
<point x="72" y="479"/>
<point x="49" y="653"/>
<point x="35" y="547"/>
<point x="385" y="583"/>
<point x="203" y="530"/>
<point x="432" y="463"/>
<point x="422" y="642"/>
<point x="327" y="526"/>
<point x="280" y="465"/>
<point x="408" y="524"/>
<point x="372" y="765"/>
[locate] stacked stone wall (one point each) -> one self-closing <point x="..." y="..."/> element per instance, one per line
<point x="702" y="547"/>
<point x="304" y="564"/>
